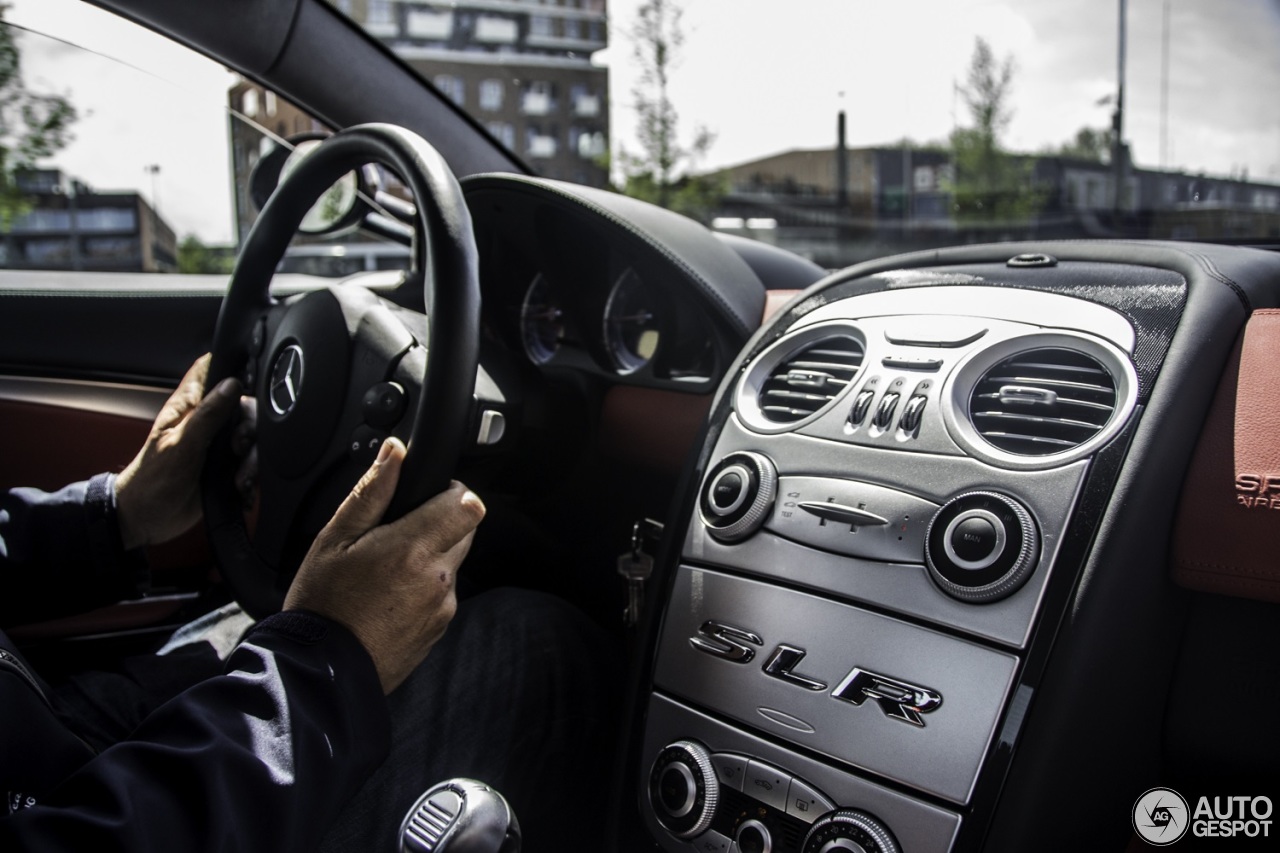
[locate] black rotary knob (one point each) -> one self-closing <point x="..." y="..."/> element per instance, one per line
<point x="737" y="495"/>
<point x="849" y="831"/>
<point x="981" y="546"/>
<point x="683" y="790"/>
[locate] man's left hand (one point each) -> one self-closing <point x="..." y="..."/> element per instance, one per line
<point x="158" y="494"/>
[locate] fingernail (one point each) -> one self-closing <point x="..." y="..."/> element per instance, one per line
<point x="471" y="499"/>
<point x="228" y="387"/>
<point x="384" y="451"/>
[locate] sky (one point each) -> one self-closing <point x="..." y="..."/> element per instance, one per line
<point x="763" y="75"/>
<point x="769" y="76"/>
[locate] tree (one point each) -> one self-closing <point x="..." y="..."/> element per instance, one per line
<point x="662" y="171"/>
<point x="33" y="126"/>
<point x="196" y="258"/>
<point x="1089" y="144"/>
<point x="990" y="184"/>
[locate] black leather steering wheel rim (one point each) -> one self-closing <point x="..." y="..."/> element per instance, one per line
<point x="451" y="293"/>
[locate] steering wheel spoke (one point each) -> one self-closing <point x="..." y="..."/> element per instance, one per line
<point x="336" y="371"/>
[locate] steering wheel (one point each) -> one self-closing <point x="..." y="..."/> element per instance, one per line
<point x="337" y="370"/>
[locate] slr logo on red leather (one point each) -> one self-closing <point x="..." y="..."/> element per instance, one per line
<point x="1258" y="491"/>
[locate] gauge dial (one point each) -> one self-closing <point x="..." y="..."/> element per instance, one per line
<point x="631" y="325"/>
<point x="541" y="321"/>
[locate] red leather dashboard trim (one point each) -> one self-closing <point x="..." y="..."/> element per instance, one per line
<point x="1227" y="536"/>
<point x="651" y="427"/>
<point x="773" y="302"/>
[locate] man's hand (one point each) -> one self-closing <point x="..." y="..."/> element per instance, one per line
<point x="158" y="494"/>
<point x="390" y="585"/>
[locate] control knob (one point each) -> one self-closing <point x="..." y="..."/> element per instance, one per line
<point x="737" y="495"/>
<point x="849" y="831"/>
<point x="981" y="546"/>
<point x="683" y="790"/>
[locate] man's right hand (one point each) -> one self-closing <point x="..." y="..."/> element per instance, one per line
<point x="391" y="585"/>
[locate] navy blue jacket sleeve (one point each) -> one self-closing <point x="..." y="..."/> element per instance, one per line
<point x="259" y="758"/>
<point x="60" y="552"/>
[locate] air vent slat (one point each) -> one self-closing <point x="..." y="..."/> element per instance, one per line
<point x="1048" y="382"/>
<point x="820" y="399"/>
<point x="810" y="378"/>
<point x="1042" y="401"/>
<point x="1062" y="401"/>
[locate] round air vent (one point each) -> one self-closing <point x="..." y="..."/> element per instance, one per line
<point x="804" y="383"/>
<point x="1036" y="401"/>
<point x="1043" y="401"/>
<point x="800" y="376"/>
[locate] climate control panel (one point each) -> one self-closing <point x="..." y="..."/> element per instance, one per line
<point x="712" y="799"/>
<point x="979" y="546"/>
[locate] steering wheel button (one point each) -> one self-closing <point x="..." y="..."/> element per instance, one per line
<point x="384" y="404"/>
<point x="364" y="444"/>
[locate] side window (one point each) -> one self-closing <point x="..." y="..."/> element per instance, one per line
<point x="140" y="165"/>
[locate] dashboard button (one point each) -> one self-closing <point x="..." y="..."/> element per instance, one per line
<point x="807" y="803"/>
<point x="767" y="784"/>
<point x="683" y="791"/>
<point x="728" y="490"/>
<point x="884" y="412"/>
<point x="912" y="413"/>
<point x="730" y="769"/>
<point x="930" y="365"/>
<point x="981" y="546"/>
<point x="754" y="837"/>
<point x="974" y="539"/>
<point x="737" y="496"/>
<point x="852" y="518"/>
<point x="711" y="842"/>
<point x="861" y="405"/>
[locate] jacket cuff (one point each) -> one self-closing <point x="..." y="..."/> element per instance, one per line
<point x="307" y="628"/>
<point x="106" y="547"/>
<point x="325" y="644"/>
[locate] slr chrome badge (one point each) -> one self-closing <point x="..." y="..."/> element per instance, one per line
<point x="286" y="380"/>
<point x="725" y="641"/>
<point x="899" y="700"/>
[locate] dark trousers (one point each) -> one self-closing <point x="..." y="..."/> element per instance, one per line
<point x="521" y="694"/>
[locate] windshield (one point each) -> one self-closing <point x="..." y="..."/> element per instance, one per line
<point x="844" y="130"/>
<point x="840" y="130"/>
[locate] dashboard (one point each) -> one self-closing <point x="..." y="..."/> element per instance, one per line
<point x="928" y="517"/>
<point x="597" y="283"/>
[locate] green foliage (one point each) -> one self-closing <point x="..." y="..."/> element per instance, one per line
<point x="661" y="172"/>
<point x="194" y="257"/>
<point x="1090" y="143"/>
<point x="990" y="184"/>
<point x="33" y="126"/>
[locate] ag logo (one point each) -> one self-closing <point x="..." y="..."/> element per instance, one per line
<point x="1161" y="816"/>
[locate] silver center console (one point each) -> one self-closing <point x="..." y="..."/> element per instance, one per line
<point x="873" y="539"/>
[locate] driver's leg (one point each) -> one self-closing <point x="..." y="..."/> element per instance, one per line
<point x="521" y="694"/>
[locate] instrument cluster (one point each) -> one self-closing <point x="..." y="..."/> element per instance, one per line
<point x="621" y="322"/>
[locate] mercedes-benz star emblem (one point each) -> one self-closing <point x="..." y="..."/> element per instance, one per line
<point x="286" y="380"/>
